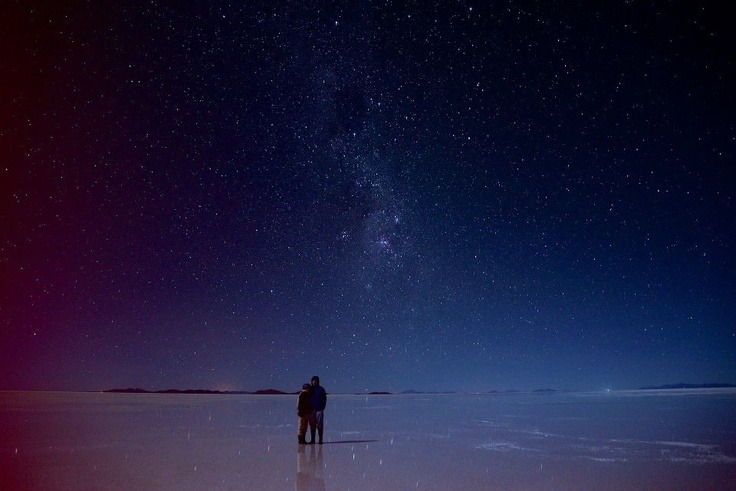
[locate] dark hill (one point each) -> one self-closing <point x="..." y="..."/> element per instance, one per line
<point x="172" y="391"/>
<point x="688" y="386"/>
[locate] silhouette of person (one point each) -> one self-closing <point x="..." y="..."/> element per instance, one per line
<point x="304" y="411"/>
<point x="319" y="402"/>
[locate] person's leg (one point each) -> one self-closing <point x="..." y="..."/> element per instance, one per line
<point x="312" y="425"/>
<point x="320" y="420"/>
<point x="303" y="421"/>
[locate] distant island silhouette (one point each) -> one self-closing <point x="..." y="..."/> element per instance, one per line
<point x="199" y="391"/>
<point x="136" y="390"/>
<point x="423" y="392"/>
<point x="688" y="386"/>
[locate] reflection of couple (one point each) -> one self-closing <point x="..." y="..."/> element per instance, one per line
<point x="310" y="408"/>
<point x="309" y="473"/>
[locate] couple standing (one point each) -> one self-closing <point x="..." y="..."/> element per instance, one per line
<point x="310" y="408"/>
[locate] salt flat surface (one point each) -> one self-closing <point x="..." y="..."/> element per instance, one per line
<point x="623" y="440"/>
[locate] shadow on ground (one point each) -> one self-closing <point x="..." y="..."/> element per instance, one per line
<point x="349" y="441"/>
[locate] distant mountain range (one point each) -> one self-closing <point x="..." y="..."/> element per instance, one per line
<point x="422" y="392"/>
<point x="408" y="392"/>
<point x="688" y="386"/>
<point x="198" y="391"/>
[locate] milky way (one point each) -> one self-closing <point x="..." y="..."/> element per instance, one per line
<point x="430" y="196"/>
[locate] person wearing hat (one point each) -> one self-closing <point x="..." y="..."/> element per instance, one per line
<point x="319" y="402"/>
<point x="304" y="411"/>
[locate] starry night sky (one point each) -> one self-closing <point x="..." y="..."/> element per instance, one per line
<point x="393" y="195"/>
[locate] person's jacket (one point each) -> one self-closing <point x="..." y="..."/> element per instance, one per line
<point x="319" y="398"/>
<point x="303" y="404"/>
